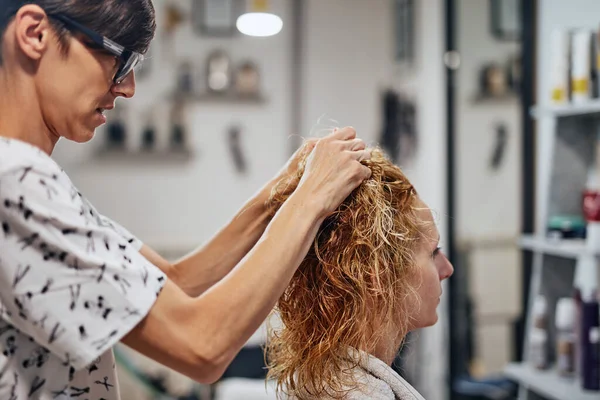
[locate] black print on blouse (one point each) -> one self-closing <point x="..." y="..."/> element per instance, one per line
<point x="92" y="367"/>
<point x="21" y="273"/>
<point x="75" y="291"/>
<point x="145" y="274"/>
<point x="102" y="271"/>
<point x="13" y="388"/>
<point x="10" y="347"/>
<point x="82" y="332"/>
<point x="47" y="286"/>
<point x="74" y="265"/>
<point x="36" y="385"/>
<point x="49" y="189"/>
<point x="4" y="311"/>
<point x="6" y="329"/>
<point x="98" y="307"/>
<point x="76" y="392"/>
<point x="91" y="247"/>
<point x="61" y="392"/>
<point x="20" y="206"/>
<point x="5" y="229"/>
<point x="57" y="331"/>
<point x="104" y="383"/>
<point x="123" y="283"/>
<point x="41" y="322"/>
<point x="100" y="343"/>
<point x="29" y="241"/>
<point x="71" y="373"/>
<point x="20" y="302"/>
<point x="38" y="358"/>
<point x="130" y="312"/>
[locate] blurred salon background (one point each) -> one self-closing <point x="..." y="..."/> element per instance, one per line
<point x="464" y="95"/>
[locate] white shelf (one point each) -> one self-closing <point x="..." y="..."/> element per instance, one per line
<point x="548" y="383"/>
<point x="566" y="248"/>
<point x="591" y="107"/>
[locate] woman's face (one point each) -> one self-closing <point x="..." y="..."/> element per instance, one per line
<point x="76" y="88"/>
<point x="434" y="267"/>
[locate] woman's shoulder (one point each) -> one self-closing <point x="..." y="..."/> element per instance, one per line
<point x="369" y="387"/>
<point x="16" y="155"/>
<point x="377" y="380"/>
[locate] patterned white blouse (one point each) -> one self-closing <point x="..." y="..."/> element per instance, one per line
<point x="72" y="284"/>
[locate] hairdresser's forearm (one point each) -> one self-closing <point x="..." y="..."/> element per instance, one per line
<point x="239" y="303"/>
<point x="203" y="268"/>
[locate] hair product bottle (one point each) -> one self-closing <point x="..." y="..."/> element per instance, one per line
<point x="538" y="340"/>
<point x="559" y="92"/>
<point x="589" y="323"/>
<point x="565" y="336"/>
<point x="581" y="66"/>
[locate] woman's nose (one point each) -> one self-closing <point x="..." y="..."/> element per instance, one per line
<point x="126" y="88"/>
<point x="446" y="269"/>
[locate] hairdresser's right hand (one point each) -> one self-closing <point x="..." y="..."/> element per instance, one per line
<point x="333" y="170"/>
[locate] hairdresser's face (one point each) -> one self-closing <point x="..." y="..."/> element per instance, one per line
<point x="434" y="267"/>
<point x="73" y="88"/>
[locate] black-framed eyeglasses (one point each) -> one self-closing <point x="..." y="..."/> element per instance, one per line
<point x="128" y="59"/>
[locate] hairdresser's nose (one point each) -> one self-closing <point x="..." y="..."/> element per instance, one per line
<point x="126" y="88"/>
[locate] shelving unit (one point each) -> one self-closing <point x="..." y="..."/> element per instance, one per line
<point x="566" y="248"/>
<point x="563" y="132"/>
<point x="567" y="110"/>
<point x="548" y="383"/>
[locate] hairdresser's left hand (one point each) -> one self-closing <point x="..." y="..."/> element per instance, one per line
<point x="291" y="167"/>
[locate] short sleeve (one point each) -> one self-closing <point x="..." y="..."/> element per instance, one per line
<point x="69" y="278"/>
<point x="103" y="220"/>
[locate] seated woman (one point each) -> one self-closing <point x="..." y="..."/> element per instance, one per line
<point x="373" y="274"/>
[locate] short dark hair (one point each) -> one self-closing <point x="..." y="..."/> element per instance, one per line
<point x="130" y="23"/>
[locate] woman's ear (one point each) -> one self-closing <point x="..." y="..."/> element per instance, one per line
<point x="32" y="31"/>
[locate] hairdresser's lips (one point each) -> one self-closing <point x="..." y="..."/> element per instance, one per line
<point x="101" y="118"/>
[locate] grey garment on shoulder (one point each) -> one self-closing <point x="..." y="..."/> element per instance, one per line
<point x="378" y="381"/>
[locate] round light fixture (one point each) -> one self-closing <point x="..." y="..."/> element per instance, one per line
<point x="259" y="24"/>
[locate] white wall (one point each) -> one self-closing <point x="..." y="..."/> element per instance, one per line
<point x="488" y="201"/>
<point x="347" y="59"/>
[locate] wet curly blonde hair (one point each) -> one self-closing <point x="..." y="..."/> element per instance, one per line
<point x="357" y="282"/>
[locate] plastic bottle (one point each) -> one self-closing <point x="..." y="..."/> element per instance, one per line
<point x="594" y="372"/>
<point x="538" y="339"/>
<point x="589" y="325"/>
<point x="566" y="336"/>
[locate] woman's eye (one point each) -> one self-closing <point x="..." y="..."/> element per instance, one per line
<point x="436" y="252"/>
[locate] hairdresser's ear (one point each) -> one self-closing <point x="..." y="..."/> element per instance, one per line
<point x="32" y="31"/>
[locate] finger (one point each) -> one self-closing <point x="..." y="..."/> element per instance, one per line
<point x="366" y="172"/>
<point x="354" y="145"/>
<point x="347" y="133"/>
<point x="311" y="143"/>
<point x="361" y="155"/>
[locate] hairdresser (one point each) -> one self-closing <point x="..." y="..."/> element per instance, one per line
<point x="73" y="283"/>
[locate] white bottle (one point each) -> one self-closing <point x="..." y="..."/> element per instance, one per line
<point x="559" y="66"/>
<point x="581" y="66"/>
<point x="538" y="338"/>
<point x="566" y="336"/>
